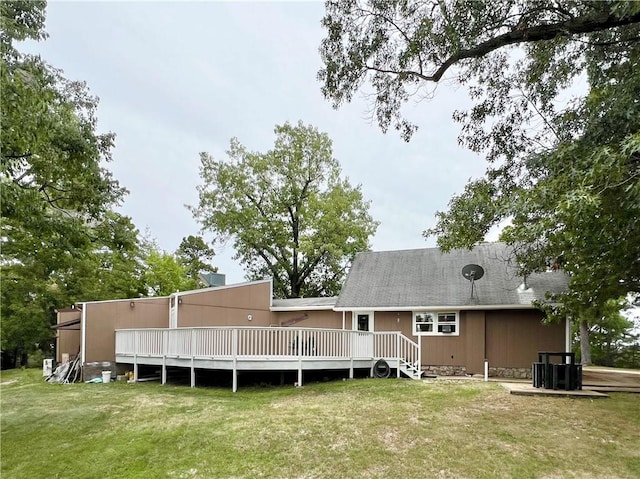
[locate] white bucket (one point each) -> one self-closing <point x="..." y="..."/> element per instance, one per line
<point x="106" y="376"/>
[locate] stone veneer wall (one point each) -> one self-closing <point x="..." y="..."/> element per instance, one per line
<point x="516" y="373"/>
<point x="445" y="370"/>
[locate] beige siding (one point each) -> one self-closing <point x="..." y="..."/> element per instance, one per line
<point x="313" y="319"/>
<point x="227" y="307"/>
<point x="445" y="350"/>
<point x="393" y="321"/>
<point x="506" y="338"/>
<point x="102" y="319"/>
<point x="474" y="340"/>
<point x="211" y="307"/>
<point x="68" y="340"/>
<point x="515" y="337"/>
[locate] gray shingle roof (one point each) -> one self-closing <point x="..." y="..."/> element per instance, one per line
<point x="304" y="303"/>
<point x="429" y="277"/>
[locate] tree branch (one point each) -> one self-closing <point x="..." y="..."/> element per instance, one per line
<point x="256" y="204"/>
<point x="579" y="25"/>
<point x="402" y="32"/>
<point x="18" y="157"/>
<point x="308" y="269"/>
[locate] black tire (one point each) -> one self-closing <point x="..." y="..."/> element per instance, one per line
<point x="381" y="369"/>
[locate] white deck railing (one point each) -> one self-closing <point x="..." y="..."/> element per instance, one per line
<point x="267" y="342"/>
<point x="253" y="343"/>
<point x="394" y="344"/>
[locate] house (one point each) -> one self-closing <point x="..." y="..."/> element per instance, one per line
<point x="458" y="323"/>
<point x="414" y="309"/>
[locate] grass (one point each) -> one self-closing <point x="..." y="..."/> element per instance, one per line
<point x="361" y="428"/>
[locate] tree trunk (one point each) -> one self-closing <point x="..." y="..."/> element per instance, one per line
<point x="585" y="346"/>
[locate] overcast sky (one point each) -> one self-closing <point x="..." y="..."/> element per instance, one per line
<point x="175" y="79"/>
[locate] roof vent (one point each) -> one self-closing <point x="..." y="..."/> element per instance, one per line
<point x="472" y="272"/>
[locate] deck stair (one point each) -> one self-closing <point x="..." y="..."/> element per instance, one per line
<point x="411" y="370"/>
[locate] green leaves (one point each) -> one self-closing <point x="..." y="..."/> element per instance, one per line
<point x="61" y="243"/>
<point x="558" y="120"/>
<point x="288" y="211"/>
<point x="194" y="255"/>
<point x="164" y="275"/>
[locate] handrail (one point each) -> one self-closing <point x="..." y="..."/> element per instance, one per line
<point x="265" y="342"/>
<point x="244" y="341"/>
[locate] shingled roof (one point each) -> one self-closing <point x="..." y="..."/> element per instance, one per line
<point x="424" y="278"/>
<point x="303" y="304"/>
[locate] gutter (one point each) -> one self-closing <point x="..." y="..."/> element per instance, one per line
<point x="302" y="308"/>
<point x="478" y="307"/>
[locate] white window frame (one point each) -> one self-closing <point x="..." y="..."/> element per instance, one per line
<point x="436" y="323"/>
<point x="354" y="320"/>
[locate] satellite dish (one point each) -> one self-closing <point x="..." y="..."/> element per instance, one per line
<point x="472" y="272"/>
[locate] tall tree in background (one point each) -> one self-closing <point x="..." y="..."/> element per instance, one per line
<point x="610" y="335"/>
<point x="195" y="256"/>
<point x="165" y="275"/>
<point x="60" y="241"/>
<point x="565" y="174"/>
<point x="288" y="211"/>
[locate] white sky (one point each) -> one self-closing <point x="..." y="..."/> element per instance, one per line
<point x="175" y="79"/>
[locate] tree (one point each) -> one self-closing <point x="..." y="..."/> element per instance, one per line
<point x="55" y="195"/>
<point x="164" y="275"/>
<point x="610" y="335"/>
<point x="194" y="255"/>
<point x="565" y="174"/>
<point x="288" y="211"/>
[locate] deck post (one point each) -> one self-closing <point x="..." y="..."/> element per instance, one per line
<point x="301" y="346"/>
<point x="164" y="357"/>
<point x="193" y="352"/>
<point x="351" y="368"/>
<point x="135" y="368"/>
<point x="419" y="354"/>
<point x="234" y="353"/>
<point x="136" y="342"/>
<point x="398" y="354"/>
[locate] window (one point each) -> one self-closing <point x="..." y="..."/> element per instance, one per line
<point x="363" y="322"/>
<point x="435" y="323"/>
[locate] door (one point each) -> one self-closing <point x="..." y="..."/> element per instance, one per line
<point x="363" y="339"/>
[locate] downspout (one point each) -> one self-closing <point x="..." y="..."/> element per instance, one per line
<point x="178" y="301"/>
<point x="83" y="345"/>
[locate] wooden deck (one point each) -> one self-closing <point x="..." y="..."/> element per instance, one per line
<point x="267" y="349"/>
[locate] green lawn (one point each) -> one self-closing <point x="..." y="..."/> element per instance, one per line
<point x="344" y="429"/>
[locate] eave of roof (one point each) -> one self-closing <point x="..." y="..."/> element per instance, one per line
<point x="301" y="308"/>
<point x="475" y="307"/>
<point x="66" y="325"/>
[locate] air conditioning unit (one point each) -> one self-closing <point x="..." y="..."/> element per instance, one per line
<point x="447" y="328"/>
<point x="47" y="367"/>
